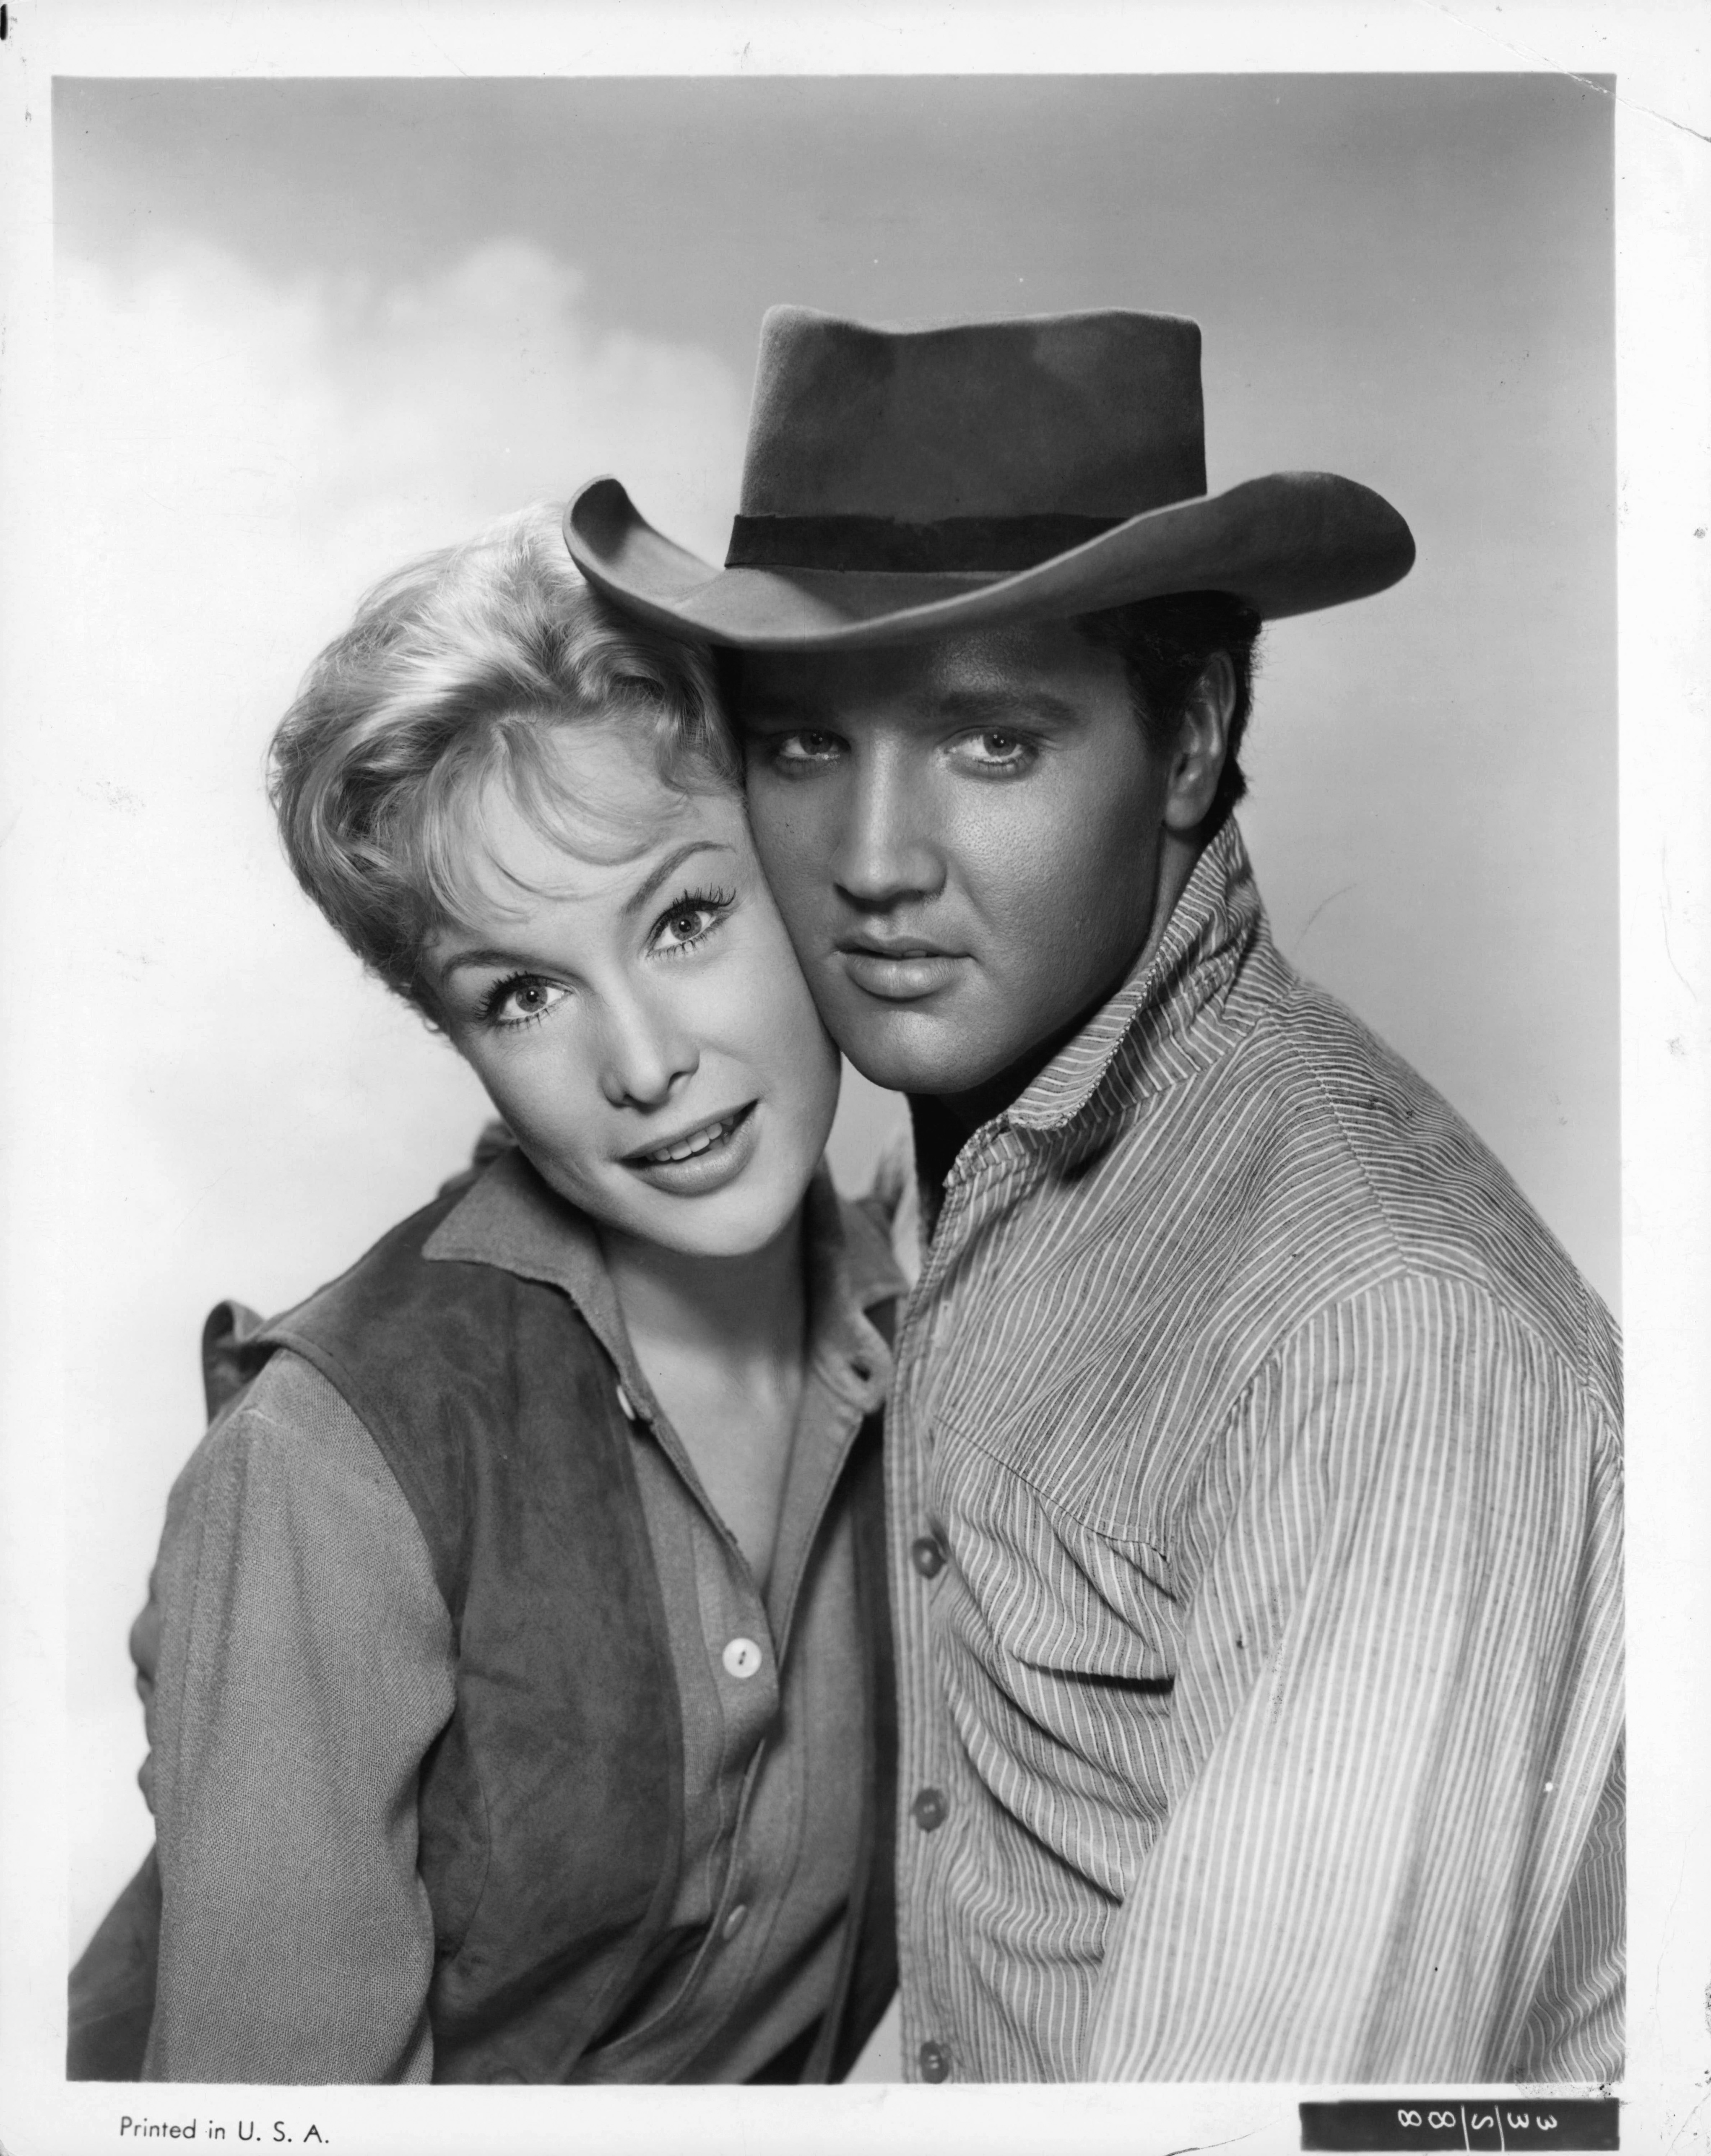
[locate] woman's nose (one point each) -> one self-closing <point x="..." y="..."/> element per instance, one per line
<point x="646" y="1053"/>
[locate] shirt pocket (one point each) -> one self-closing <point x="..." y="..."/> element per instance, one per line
<point x="1101" y="1438"/>
<point x="1057" y="1649"/>
<point x="1050" y="1592"/>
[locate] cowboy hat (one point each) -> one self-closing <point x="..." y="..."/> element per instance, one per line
<point x="901" y="483"/>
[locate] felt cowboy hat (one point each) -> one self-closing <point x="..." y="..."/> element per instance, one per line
<point x="902" y="484"/>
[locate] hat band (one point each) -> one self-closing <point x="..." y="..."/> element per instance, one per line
<point x="970" y="543"/>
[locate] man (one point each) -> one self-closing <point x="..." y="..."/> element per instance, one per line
<point x="1255" y="1450"/>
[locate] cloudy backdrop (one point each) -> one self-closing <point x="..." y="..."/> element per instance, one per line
<point x="307" y="329"/>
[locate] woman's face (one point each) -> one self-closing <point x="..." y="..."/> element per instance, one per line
<point x="629" y="998"/>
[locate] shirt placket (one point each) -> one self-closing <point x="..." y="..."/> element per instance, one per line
<point x="745" y="1652"/>
<point x="929" y="1825"/>
<point x="746" y="1660"/>
<point x="751" y="1659"/>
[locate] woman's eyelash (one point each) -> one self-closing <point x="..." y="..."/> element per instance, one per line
<point x="496" y="997"/>
<point x="718" y="903"/>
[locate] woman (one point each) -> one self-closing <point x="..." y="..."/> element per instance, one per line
<point x="516" y="1660"/>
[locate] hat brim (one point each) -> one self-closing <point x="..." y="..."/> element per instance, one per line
<point x="1289" y="543"/>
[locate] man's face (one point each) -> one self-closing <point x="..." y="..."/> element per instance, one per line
<point x="963" y="838"/>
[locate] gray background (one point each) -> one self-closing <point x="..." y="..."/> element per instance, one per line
<point x="308" y="328"/>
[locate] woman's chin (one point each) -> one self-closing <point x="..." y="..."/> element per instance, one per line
<point x="736" y="1219"/>
<point x="734" y="1223"/>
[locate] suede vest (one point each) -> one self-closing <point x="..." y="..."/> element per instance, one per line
<point x="550" y="1805"/>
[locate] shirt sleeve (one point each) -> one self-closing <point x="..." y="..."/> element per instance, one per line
<point x="302" y="1666"/>
<point x="1396" y="1708"/>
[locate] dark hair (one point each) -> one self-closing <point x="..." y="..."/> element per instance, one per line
<point x="1166" y="645"/>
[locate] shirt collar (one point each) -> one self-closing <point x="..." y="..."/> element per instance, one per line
<point x="1216" y="920"/>
<point x="510" y="1217"/>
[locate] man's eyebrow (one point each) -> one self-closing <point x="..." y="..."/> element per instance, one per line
<point x="640" y="897"/>
<point x="1003" y="703"/>
<point x="793" y="709"/>
<point x="965" y="704"/>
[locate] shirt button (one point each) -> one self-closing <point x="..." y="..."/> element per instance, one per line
<point x="734" y="1921"/>
<point x="927" y="1810"/>
<point x="628" y="1404"/>
<point x="928" y="1554"/>
<point x="936" y="2063"/>
<point x="741" y="1658"/>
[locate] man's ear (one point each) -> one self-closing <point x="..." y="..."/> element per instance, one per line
<point x="1202" y="740"/>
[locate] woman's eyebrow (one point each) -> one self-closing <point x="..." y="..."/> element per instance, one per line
<point x="497" y="955"/>
<point x="640" y="897"/>
<point x="461" y="959"/>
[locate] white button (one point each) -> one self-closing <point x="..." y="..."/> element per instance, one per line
<point x="742" y="1658"/>
<point x="628" y="1404"/>
<point x="734" y="1921"/>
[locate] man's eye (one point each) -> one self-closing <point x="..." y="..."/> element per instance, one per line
<point x="993" y="749"/>
<point x="805" y="745"/>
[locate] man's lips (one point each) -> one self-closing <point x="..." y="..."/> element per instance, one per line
<point x="900" y="970"/>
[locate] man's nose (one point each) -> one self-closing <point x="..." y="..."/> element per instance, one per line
<point x="885" y="852"/>
<point x="646" y="1052"/>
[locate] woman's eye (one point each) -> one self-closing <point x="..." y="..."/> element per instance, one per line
<point x="689" y="919"/>
<point x="685" y="925"/>
<point x="517" y="1002"/>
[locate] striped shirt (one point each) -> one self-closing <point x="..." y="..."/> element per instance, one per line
<point x="1255" y="1512"/>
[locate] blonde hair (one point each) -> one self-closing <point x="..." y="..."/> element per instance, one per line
<point x="462" y="666"/>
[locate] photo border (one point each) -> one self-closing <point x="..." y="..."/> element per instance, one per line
<point x="1663" y="193"/>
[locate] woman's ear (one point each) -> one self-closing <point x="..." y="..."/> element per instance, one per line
<point x="1202" y="739"/>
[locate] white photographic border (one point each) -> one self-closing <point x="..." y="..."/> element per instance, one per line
<point x="1657" y="54"/>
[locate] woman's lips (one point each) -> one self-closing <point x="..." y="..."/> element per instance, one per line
<point x="704" y="1158"/>
<point x="901" y="976"/>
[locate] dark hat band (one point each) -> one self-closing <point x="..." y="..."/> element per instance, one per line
<point x="995" y="544"/>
